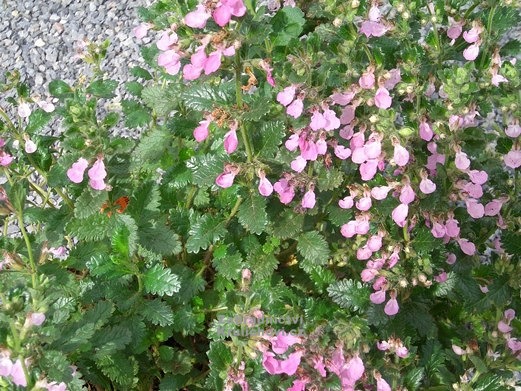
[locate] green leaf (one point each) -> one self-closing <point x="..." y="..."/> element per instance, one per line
<point x="504" y="19"/>
<point x="329" y="179"/>
<point x="204" y="231"/>
<point x="120" y="368"/>
<point x="511" y="242"/>
<point x="252" y="214"/>
<point x="268" y="139"/>
<point x="145" y="198"/>
<point x="350" y="294"/>
<point x="158" y="312"/>
<point x="89" y="202"/>
<point x="157" y="237"/>
<point x="59" y="89"/>
<point x="92" y="228"/>
<point x="423" y="241"/>
<point x="503" y="145"/>
<point x="262" y="264"/>
<point x="205" y="97"/>
<point x="150" y="148"/>
<point x="37" y="120"/>
<point x="141" y="73"/>
<point x="160" y="281"/>
<point x="229" y="266"/>
<point x="161" y="100"/>
<point x="134" y="88"/>
<point x="339" y="216"/>
<point x="287" y="224"/>
<point x="287" y="24"/>
<point x="108" y="267"/>
<point x="220" y="356"/>
<point x="111" y="339"/>
<point x="136" y="115"/>
<point x="102" y="88"/>
<point x="205" y="168"/>
<point x="413" y="379"/>
<point x="313" y="248"/>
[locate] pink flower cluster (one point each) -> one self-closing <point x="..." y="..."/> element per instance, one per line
<point x="504" y="327"/>
<point x="373" y="27"/>
<point x="97" y="173"/>
<point x="5" y="157"/>
<point x="12" y="371"/>
<point x="393" y="345"/>
<point x="279" y="346"/>
<point x="471" y="36"/>
<point x="513" y="158"/>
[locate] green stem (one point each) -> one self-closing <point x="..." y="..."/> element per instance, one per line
<point x="7" y="119"/>
<point x="29" y="249"/>
<point x="238" y="97"/>
<point x="406" y="236"/>
<point x="234" y="210"/>
<point x="190" y="197"/>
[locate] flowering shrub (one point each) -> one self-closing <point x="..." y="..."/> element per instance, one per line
<point x="324" y="197"/>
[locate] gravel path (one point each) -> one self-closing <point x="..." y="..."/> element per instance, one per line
<point x="39" y="37"/>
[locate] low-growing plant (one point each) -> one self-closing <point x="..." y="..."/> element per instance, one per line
<point x="323" y="196"/>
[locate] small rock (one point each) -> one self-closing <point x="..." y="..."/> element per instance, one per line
<point x="39" y="43"/>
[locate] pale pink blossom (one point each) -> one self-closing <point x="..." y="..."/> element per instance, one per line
<point x="503" y="327"/>
<point x="285" y="190"/>
<point x="399" y="214"/>
<point x="407" y="194"/>
<point x="332" y="121"/>
<point x="141" y="30"/>
<point x="97" y="174"/>
<point x="455" y="29"/>
<point x="382" y="385"/>
<point x="394" y="79"/>
<point x="6" y="366"/>
<point x="198" y="17"/>
<point x="167" y="40"/>
<point x="438" y="230"/>
<point x="342" y="152"/>
<point x="286" y="96"/>
<point x="474" y="208"/>
<point x="372" y="29"/>
<point x="380" y="192"/>
<point x="478" y="177"/>
<point x="472" y="35"/>
<point x="377" y="297"/>
<point x="452" y="228"/>
<point x="367" y="80"/>
<point x="426" y="132"/>
<point x="295" y="108"/>
<point x="368" y="169"/>
<point x="513" y="130"/>
<point x="402" y="351"/>
<point x="308" y="201"/>
<point x="292" y="142"/>
<point x="382" y="99"/>
<point x="513" y="159"/>
<point x="17" y="374"/>
<point x="392" y="307"/>
<point x="346" y="202"/>
<point x="24" y="110"/>
<point x="231" y="141"/>
<point x="265" y="187"/>
<point x="225" y="179"/>
<point x="364" y="204"/>
<point x="201" y="132"/>
<point x="30" y="146"/>
<point x="471" y="53"/>
<point x="467" y="246"/>
<point x="36" y="318"/>
<point x="458" y="350"/>
<point x="427" y="186"/>
<point x="401" y="155"/>
<point x="462" y="161"/>
<point x="497" y="78"/>
<point x="77" y="170"/>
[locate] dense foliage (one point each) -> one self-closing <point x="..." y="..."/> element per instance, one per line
<point x="324" y="196"/>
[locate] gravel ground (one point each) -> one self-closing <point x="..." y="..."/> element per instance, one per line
<point x="39" y="38"/>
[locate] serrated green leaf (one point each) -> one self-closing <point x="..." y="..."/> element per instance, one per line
<point x="37" y="120"/>
<point x="350" y="294"/>
<point x="288" y="224"/>
<point x="220" y="356"/>
<point x="339" y="216"/>
<point x="204" y="231"/>
<point x="141" y="73"/>
<point x="268" y="139"/>
<point x="89" y="203"/>
<point x="413" y="378"/>
<point x="145" y="198"/>
<point x="134" y="88"/>
<point x="159" y="280"/>
<point x="108" y="267"/>
<point x="313" y="248"/>
<point x="158" y="312"/>
<point x="258" y="107"/>
<point x="205" y="97"/>
<point x="92" y="228"/>
<point x="503" y="145"/>
<point x="511" y="242"/>
<point x="120" y="368"/>
<point x="329" y="179"/>
<point x="157" y="237"/>
<point x="229" y="266"/>
<point x="252" y="214"/>
<point x="59" y="89"/>
<point x="205" y="168"/>
<point x="136" y="115"/>
<point x="150" y="148"/>
<point x="161" y="100"/>
<point x="102" y="88"/>
<point x="287" y="24"/>
<point x="111" y="339"/>
<point x="423" y="241"/>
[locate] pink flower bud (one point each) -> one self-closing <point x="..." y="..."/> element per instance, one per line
<point x="246" y="274"/>
<point x="471" y="53"/>
<point x="321" y="146"/>
<point x="382" y="99"/>
<point x="455" y="29"/>
<point x="451" y="258"/>
<point x="5" y="159"/>
<point x="6" y="366"/>
<point x="30" y="146"/>
<point x="427" y="186"/>
<point x="348" y="230"/>
<point x="201" y="132"/>
<point x="230" y="141"/>
<point x="513" y="130"/>
<point x="377" y="297"/>
<point x="295" y="109"/>
<point x="97" y="174"/>
<point x="462" y="161"/>
<point x="197" y="19"/>
<point x="367" y="80"/>
<point x="467" y="246"/>
<point x="503" y="327"/>
<point x="457" y="350"/>
<point x="141" y="31"/>
<point x="509" y="314"/>
<point x="402" y="351"/>
<point x="298" y="164"/>
<point x="265" y="187"/>
<point x="368" y="169"/>
<point x="426" y="132"/>
<point x="442" y="277"/>
<point x="364" y="253"/>
<point x="36" y="318"/>
<point x="374" y="243"/>
<point x="225" y="180"/>
<point x="75" y="173"/>
<point x="399" y="214"/>
<point x="364" y="204"/>
<point x="383" y="346"/>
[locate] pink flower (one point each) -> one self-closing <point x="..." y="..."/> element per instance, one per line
<point x="358" y="156"/>
<point x="513" y="130"/>
<point x="191" y="72"/>
<point x="426" y="132"/>
<point x="462" y="161"/>
<point x="380" y="192"/>
<point x="285" y="190"/>
<point x="213" y="62"/>
<point x="298" y="385"/>
<point x="36" y="318"/>
<point x="317" y="121"/>
<point x="298" y="164"/>
<point x="427" y="186"/>
<point x="225" y="179"/>
<point x="6" y="366"/>
<point x="348" y="230"/>
<point x="53" y="386"/>
<point x="75" y="173"/>
<point x="472" y="35"/>
<point x="382" y="99"/>
<point x="503" y="327"/>
<point x="458" y="350"/>
<point x="475" y="209"/>
<point x="269" y="76"/>
<point x="374" y="243"/>
<point x="451" y="258"/>
<point x="348" y="115"/>
<point x="438" y="230"/>
<point x="497" y="78"/>
<point x="342" y="98"/>
<point x="471" y="53"/>
<point x="283" y="341"/>
<point x="332" y="121"/>
<point x="368" y="169"/>
<point x="402" y="351"/>
<point x="292" y="142"/>
<point x="346" y="202"/>
<point x="286" y="96"/>
<point x="407" y="194"/>
<point x="342" y="152"/>
<point x="5" y="158"/>
<point x="321" y="146"/>
<point x="442" y="277"/>
<point x="372" y="29"/>
<point x="377" y="297"/>
<point x="230" y="141"/>
<point x="97" y="175"/>
<point x="509" y="314"/>
<point x="17" y="374"/>
<point x="170" y="60"/>
<point x="513" y="159"/>
<point x="166" y="41"/>
<point x="478" y="177"/>
<point x="318" y="364"/>
<point x="364" y="253"/>
<point x="399" y="214"/>
<point x="467" y="246"/>
<point x="373" y="149"/>
<point x="308" y="150"/>
<point x="455" y="29"/>
<point x="364" y="204"/>
<point x="367" y="80"/>
<point x="382" y="385"/>
<point x="452" y="228"/>
<point x="30" y="146"/>
<point x="24" y="110"/>
<point x="308" y="201"/>
<point x="392" y="308"/>
<point x="383" y="346"/>
<point x="493" y="207"/>
<point x="224" y="12"/>
<point x="295" y="109"/>
<point x="289" y="366"/>
<point x="395" y="78"/>
<point x="401" y="155"/>
<point x="265" y="187"/>
<point x="374" y="13"/>
<point x="201" y="132"/>
<point x="198" y="18"/>
<point x="141" y="31"/>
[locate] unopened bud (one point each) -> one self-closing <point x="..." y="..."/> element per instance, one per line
<point x="373" y="119"/>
